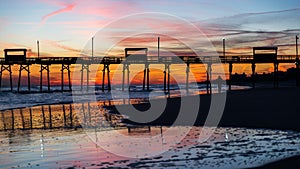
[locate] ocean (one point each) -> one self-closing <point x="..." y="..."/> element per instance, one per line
<point x="13" y="100"/>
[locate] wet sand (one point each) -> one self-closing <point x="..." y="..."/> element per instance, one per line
<point x="288" y="163"/>
<point x="273" y="108"/>
<point x="69" y="148"/>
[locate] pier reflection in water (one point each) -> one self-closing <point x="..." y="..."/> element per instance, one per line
<point x="74" y="115"/>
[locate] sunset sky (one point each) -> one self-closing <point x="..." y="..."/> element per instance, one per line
<point x="65" y="28"/>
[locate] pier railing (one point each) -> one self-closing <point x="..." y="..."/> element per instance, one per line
<point x="151" y="60"/>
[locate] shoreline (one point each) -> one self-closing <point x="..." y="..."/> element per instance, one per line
<point x="272" y="108"/>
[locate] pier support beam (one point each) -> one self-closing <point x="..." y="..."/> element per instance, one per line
<point x="187" y="77"/>
<point x="208" y="78"/>
<point x="125" y="68"/>
<point x="167" y="78"/>
<point x="46" y="68"/>
<point x="65" y="67"/>
<point x="276" y="82"/>
<point x="27" y="69"/>
<point x="106" y="68"/>
<point x="297" y="62"/>
<point x="230" y="75"/>
<point x="7" y="68"/>
<point x="146" y="76"/>
<point x="253" y="74"/>
<point x="87" y="68"/>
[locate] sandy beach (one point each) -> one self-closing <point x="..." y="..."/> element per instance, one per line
<point x="290" y="163"/>
<point x="274" y="108"/>
<point x="69" y="148"/>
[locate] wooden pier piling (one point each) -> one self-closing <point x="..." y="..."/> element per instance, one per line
<point x="67" y="68"/>
<point x="125" y="69"/>
<point x="106" y="68"/>
<point x="230" y="75"/>
<point x="146" y="77"/>
<point x="187" y="77"/>
<point x="47" y="69"/>
<point x="27" y="69"/>
<point x="85" y="67"/>
<point x="208" y="78"/>
<point x="276" y="83"/>
<point x="253" y="66"/>
<point x="3" y="69"/>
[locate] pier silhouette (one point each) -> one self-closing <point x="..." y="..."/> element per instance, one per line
<point x="19" y="57"/>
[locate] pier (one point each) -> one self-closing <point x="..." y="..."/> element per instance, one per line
<point x="18" y="57"/>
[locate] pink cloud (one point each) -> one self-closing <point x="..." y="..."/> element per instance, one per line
<point x="89" y="13"/>
<point x="107" y="9"/>
<point x="67" y="8"/>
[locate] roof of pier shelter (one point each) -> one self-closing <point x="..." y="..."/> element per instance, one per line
<point x="265" y="47"/>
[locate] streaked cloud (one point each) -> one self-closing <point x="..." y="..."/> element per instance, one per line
<point x="61" y="46"/>
<point x="65" y="8"/>
<point x="243" y="31"/>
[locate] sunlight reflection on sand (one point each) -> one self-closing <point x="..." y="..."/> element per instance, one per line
<point x="73" y="148"/>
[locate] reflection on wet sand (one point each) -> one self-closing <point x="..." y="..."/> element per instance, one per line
<point x="57" y="116"/>
<point x="69" y="148"/>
